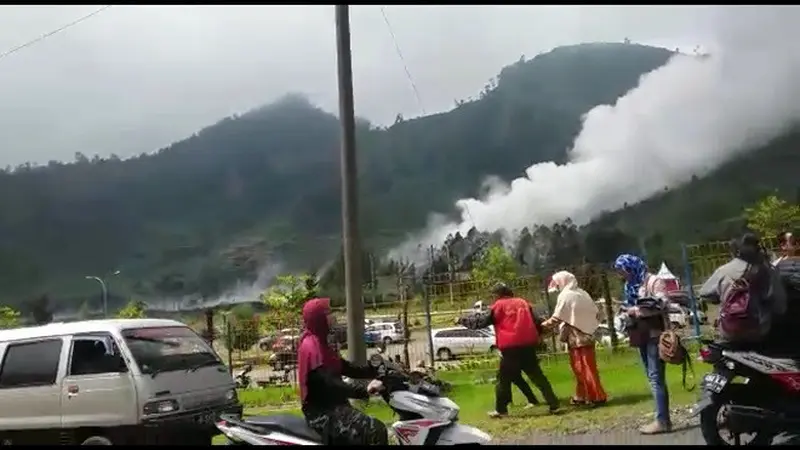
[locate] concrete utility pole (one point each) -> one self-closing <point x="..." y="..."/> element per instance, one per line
<point x="356" y="347"/>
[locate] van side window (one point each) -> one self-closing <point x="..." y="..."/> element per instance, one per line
<point x="91" y="355"/>
<point x="31" y="364"/>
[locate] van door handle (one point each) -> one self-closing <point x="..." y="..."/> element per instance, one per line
<point x="72" y="390"/>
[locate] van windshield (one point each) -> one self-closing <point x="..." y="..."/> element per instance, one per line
<point x="165" y="349"/>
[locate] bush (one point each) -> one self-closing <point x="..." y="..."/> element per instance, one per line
<point x="244" y="333"/>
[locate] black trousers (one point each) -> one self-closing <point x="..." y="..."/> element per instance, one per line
<point x="513" y="363"/>
<point x="345" y="425"/>
<point x="523" y="386"/>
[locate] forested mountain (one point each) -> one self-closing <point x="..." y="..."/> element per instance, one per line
<point x="263" y="187"/>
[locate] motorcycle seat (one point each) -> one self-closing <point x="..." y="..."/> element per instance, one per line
<point x="285" y="423"/>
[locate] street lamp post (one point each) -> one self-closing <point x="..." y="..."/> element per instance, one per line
<point x="103" y="290"/>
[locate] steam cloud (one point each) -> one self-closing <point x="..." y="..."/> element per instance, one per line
<point x="685" y="118"/>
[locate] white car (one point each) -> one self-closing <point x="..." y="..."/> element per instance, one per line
<point x="388" y="333"/>
<point x="677" y="316"/>
<point x="603" y="336"/>
<point x="460" y="341"/>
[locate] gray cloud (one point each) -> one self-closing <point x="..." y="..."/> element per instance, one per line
<point x="136" y="78"/>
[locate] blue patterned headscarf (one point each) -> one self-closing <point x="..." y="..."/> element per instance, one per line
<point x="637" y="269"/>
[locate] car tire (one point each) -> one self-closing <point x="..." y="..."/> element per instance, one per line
<point x="387" y="340"/>
<point x="444" y="354"/>
<point x="264" y="347"/>
<point x="97" y="440"/>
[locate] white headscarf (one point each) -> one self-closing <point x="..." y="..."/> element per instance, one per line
<point x="574" y="306"/>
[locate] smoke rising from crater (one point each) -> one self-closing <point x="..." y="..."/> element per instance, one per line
<point x="685" y="118"/>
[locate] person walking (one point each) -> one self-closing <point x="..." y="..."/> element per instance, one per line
<point x="575" y="317"/>
<point x="646" y="325"/>
<point x="516" y="337"/>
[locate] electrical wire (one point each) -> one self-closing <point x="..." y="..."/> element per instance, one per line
<point x="51" y="33"/>
<point x="483" y="243"/>
<point x="403" y="60"/>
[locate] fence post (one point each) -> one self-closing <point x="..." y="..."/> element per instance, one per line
<point x="609" y="310"/>
<point x="549" y="313"/>
<point x="427" y="303"/>
<point x="228" y="344"/>
<point x="690" y="288"/>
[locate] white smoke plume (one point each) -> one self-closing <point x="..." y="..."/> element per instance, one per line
<point x="685" y="118"/>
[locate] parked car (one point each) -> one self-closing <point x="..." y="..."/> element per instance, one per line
<point x="266" y="342"/>
<point x="388" y="333"/>
<point x="94" y="383"/>
<point x="602" y="336"/>
<point x="460" y="341"/>
<point x="677" y="316"/>
<point x="284" y="353"/>
<point x="372" y="338"/>
<point x="700" y="315"/>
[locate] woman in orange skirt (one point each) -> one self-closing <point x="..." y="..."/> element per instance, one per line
<point x="575" y="318"/>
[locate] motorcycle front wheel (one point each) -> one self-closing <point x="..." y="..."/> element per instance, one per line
<point x="713" y="418"/>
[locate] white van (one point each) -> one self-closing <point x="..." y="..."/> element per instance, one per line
<point x="111" y="382"/>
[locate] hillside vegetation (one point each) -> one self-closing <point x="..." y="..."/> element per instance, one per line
<point x="218" y="207"/>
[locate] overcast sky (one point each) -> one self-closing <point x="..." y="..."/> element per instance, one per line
<point x="133" y="79"/>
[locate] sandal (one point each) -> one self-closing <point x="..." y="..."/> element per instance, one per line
<point x="576" y="401"/>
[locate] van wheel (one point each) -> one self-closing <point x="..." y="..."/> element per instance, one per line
<point x="97" y="440"/>
<point x="444" y="354"/>
<point x="387" y="340"/>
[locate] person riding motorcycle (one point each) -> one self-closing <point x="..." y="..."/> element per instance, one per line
<point x="323" y="392"/>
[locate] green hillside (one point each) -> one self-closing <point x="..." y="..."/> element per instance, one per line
<point x="193" y="218"/>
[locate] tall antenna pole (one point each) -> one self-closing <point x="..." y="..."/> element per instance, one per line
<point x="356" y="347"/>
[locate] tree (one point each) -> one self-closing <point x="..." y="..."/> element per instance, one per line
<point x="244" y="333"/>
<point x="771" y="216"/>
<point x="496" y="264"/>
<point x="285" y="298"/>
<point x="9" y="317"/>
<point x="135" y="309"/>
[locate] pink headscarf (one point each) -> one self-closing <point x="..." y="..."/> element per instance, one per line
<point x="313" y="350"/>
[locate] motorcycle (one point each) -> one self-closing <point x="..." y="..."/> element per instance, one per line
<point x="425" y="417"/>
<point x="747" y="393"/>
<point x="243" y="379"/>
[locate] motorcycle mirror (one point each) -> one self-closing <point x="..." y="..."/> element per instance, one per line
<point x="375" y="360"/>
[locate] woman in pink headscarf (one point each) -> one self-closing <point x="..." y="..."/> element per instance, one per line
<point x="323" y="392"/>
<point x="575" y="315"/>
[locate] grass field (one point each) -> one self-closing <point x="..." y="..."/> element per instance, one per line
<point x="621" y="373"/>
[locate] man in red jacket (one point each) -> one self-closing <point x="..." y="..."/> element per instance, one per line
<point x="516" y="335"/>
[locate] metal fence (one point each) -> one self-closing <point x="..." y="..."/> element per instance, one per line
<point x="267" y="342"/>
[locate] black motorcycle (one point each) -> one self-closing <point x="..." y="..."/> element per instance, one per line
<point x="747" y="393"/>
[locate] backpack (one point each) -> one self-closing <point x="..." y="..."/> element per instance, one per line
<point x="672" y="351"/>
<point x="740" y="314"/>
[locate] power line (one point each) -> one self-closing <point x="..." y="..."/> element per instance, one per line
<point x="56" y="31"/>
<point x="403" y="60"/>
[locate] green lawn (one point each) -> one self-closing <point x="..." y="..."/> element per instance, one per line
<point x="473" y="390"/>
